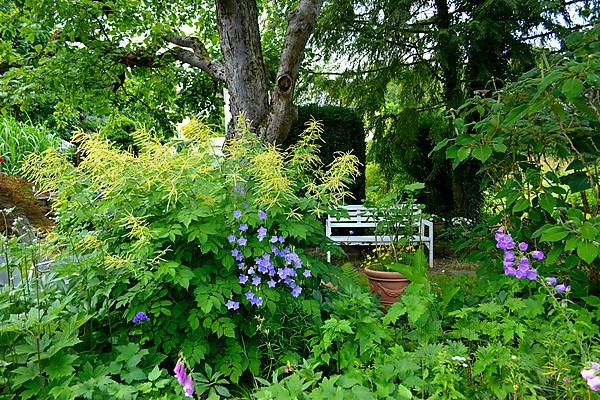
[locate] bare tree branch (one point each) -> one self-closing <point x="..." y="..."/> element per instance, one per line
<point x="198" y="57"/>
<point x="301" y="23"/>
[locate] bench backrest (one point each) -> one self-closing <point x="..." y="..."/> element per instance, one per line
<point x="360" y="216"/>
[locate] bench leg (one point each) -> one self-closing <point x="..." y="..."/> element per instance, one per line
<point x="430" y="256"/>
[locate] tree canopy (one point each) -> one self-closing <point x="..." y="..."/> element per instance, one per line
<point x="406" y="64"/>
<point x="70" y="59"/>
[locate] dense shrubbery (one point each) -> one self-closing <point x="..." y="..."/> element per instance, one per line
<point x="343" y="131"/>
<point x="175" y="261"/>
<point x="538" y="142"/>
<point x="490" y="337"/>
<point x="184" y="237"/>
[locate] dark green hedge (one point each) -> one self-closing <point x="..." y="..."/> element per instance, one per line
<point x="343" y="131"/>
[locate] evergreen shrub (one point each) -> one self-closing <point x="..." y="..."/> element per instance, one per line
<point x="343" y="131"/>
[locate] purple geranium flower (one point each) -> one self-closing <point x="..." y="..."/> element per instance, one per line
<point x="242" y="241"/>
<point x="537" y="255"/>
<point x="523" y="246"/>
<point x="261" y="233"/>
<point x="139" y="317"/>
<point x="237" y="214"/>
<point x="594" y="384"/>
<point x="243" y="227"/>
<point x="532" y="274"/>
<point x="562" y="288"/>
<point x="296" y="291"/>
<point x="256" y="280"/>
<point x="504" y="241"/>
<point x="588" y="374"/>
<point x="232" y="305"/>
<point x="271" y="283"/>
<point x="262" y="215"/>
<point x="231" y="238"/>
<point x="243" y="279"/>
<point x="499" y="234"/>
<point x="307" y="273"/>
<point x="524" y="263"/>
<point x="552" y="280"/>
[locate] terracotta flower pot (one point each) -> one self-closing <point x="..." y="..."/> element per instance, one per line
<point x="388" y="285"/>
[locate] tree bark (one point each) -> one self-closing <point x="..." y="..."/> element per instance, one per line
<point x="301" y="23"/>
<point x="245" y="73"/>
<point x="243" y="70"/>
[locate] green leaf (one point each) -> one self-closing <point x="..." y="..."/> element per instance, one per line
<point x="547" y="202"/>
<point x="521" y="205"/>
<point x="440" y="145"/>
<point x="577" y="181"/>
<point x="587" y="251"/>
<point x="463" y="153"/>
<point x="554" y="234"/>
<point x="572" y="243"/>
<point x="515" y="114"/>
<point x="183" y="276"/>
<point x="415" y="307"/>
<point x="194" y="321"/>
<point x="589" y="231"/>
<point x="403" y="392"/>
<point x="411" y="187"/>
<point x="395" y="311"/>
<point x="499" y="147"/>
<point x="223" y="391"/>
<point x="154" y="374"/>
<point x="451" y="152"/>
<point x="571" y="88"/>
<point x="482" y="153"/>
<point x="61" y="365"/>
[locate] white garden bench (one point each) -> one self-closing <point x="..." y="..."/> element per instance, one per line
<point x="358" y="229"/>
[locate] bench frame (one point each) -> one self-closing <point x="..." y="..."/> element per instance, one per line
<point x="360" y="216"/>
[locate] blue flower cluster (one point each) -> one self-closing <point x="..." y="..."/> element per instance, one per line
<point x="139" y="317"/>
<point x="279" y="265"/>
<point x="516" y="263"/>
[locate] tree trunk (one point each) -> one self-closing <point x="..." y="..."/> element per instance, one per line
<point x="245" y="74"/>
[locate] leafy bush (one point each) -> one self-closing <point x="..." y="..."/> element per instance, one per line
<point x="17" y="140"/>
<point x="343" y="131"/>
<point x="494" y="337"/>
<point x="538" y="142"/>
<point x="177" y="253"/>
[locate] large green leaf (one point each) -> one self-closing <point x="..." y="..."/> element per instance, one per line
<point x="521" y="205"/>
<point x="482" y="153"/>
<point x="554" y="234"/>
<point x="571" y="88"/>
<point x="587" y="251"/>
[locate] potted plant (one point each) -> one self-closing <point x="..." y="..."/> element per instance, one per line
<point x="389" y="268"/>
<point x="382" y="267"/>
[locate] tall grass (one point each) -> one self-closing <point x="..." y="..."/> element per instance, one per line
<point x="18" y="139"/>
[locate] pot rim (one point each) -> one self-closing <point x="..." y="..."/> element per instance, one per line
<point x="384" y="274"/>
